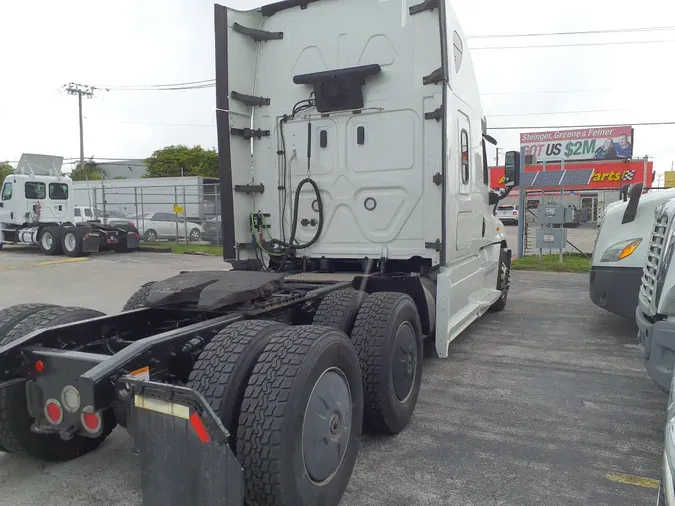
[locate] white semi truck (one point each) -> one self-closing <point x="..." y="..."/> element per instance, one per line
<point x="359" y="226"/>
<point x="621" y="248"/>
<point x="36" y="208"/>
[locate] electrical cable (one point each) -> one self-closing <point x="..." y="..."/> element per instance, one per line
<point x="557" y="127"/>
<point x="586" y="32"/>
<point x="581" y="44"/>
<point x="553" y="113"/>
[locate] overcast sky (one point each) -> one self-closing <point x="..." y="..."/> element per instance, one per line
<point x="46" y="44"/>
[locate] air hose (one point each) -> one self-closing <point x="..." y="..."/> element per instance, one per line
<point x="296" y="205"/>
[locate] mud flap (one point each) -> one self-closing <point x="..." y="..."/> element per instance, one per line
<point x="184" y="456"/>
<point x="90" y="242"/>
<point x="133" y="240"/>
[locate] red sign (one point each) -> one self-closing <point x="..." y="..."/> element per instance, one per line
<point x="605" y="174"/>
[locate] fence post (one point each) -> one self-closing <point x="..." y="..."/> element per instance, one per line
<point x="175" y="203"/>
<point x="142" y="213"/>
<point x="184" y="209"/>
<point x="521" y="207"/>
<point x="136" y="205"/>
<point x="105" y="219"/>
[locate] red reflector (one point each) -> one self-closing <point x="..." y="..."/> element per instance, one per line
<point x="39" y="366"/>
<point x="91" y="421"/>
<point x="53" y="412"/>
<point x="199" y="428"/>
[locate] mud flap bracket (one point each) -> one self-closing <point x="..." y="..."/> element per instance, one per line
<point x="248" y="133"/>
<point x="257" y="35"/>
<point x="184" y="455"/>
<point x="250" y="100"/>
<point x="427" y="5"/>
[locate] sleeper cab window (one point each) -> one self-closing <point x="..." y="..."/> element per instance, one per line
<point x="465" y="156"/>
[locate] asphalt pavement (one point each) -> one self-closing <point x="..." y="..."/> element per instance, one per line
<point x="544" y="403"/>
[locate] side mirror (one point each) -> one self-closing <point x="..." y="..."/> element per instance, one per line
<point x="512" y="169"/>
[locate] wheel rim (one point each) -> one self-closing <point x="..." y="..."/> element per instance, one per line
<point x="151" y="236"/>
<point x="194" y="235"/>
<point x="404" y="368"/>
<point x="327" y="426"/>
<point x="70" y="242"/>
<point x="47" y="240"/>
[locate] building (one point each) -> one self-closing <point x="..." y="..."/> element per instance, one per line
<point x="588" y="185"/>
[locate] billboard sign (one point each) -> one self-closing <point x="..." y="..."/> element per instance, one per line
<point x="605" y="174"/>
<point x="608" y="143"/>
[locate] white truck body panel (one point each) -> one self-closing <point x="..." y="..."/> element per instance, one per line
<point x="612" y="231"/>
<point x="393" y="163"/>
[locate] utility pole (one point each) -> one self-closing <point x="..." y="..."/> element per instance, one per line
<point x="497" y="156"/>
<point x="81" y="90"/>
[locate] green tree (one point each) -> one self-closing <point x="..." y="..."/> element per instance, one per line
<point x="87" y="172"/>
<point x="196" y="161"/>
<point x="5" y="170"/>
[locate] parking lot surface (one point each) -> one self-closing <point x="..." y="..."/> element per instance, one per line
<point x="544" y="403"/>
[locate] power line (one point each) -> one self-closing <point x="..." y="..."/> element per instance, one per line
<point x="583" y="32"/>
<point x="553" y="113"/>
<point x="165" y="124"/>
<point x="176" y="88"/>
<point x="151" y="86"/>
<point x="549" y="92"/>
<point x="558" y="127"/>
<point x="495" y="48"/>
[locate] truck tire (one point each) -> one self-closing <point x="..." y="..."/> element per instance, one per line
<point x="387" y="336"/>
<point x="50" y="241"/>
<point x="306" y="387"/>
<point x="224" y="366"/>
<point x="15" y="422"/>
<point x="13" y="315"/>
<point x="137" y="300"/>
<point x="339" y="309"/>
<point x="503" y="282"/>
<point x="71" y="242"/>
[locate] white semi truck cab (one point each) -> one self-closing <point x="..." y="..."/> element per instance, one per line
<point x="655" y="313"/>
<point x="621" y="249"/>
<point x="36" y="208"/>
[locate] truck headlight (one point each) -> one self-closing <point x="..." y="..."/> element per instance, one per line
<point x="620" y="250"/>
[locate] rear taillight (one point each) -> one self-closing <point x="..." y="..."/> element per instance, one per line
<point x="515" y="213"/>
<point x="53" y="412"/>
<point x="70" y="398"/>
<point x="91" y="421"/>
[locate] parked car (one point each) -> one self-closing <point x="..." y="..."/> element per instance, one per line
<point x="508" y="214"/>
<point x="153" y="226"/>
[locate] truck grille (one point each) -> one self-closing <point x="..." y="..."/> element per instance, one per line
<point x="654" y="255"/>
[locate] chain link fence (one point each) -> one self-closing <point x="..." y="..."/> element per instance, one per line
<point x="585" y="215"/>
<point x="585" y="211"/>
<point x="161" y="211"/>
